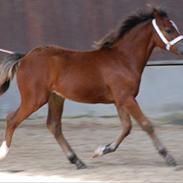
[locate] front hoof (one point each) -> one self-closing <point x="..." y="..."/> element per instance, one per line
<point x="170" y="160"/>
<point x="80" y="165"/>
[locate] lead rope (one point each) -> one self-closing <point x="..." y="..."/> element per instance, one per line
<point x="6" y="51"/>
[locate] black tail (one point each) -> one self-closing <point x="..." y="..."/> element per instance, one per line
<point x="8" y="68"/>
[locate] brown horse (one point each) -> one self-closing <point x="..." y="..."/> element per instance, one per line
<point x="110" y="74"/>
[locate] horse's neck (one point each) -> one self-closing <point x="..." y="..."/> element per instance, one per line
<point x="137" y="46"/>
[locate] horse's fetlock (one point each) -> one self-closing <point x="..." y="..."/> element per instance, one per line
<point x="109" y="148"/>
<point x="72" y="158"/>
<point x="163" y="152"/>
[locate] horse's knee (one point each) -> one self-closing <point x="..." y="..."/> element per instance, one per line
<point x="54" y="128"/>
<point x="148" y="127"/>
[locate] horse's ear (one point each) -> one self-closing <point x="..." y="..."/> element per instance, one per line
<point x="156" y="13"/>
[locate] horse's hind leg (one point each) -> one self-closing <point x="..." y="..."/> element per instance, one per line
<point x="133" y="108"/>
<point x="126" y="124"/>
<point x="14" y="119"/>
<point x="55" y="110"/>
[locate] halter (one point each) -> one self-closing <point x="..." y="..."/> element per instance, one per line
<point x="163" y="38"/>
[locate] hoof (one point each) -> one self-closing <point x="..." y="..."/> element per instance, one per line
<point x="103" y="150"/>
<point x="3" y="150"/>
<point x="170" y="160"/>
<point x="75" y="160"/>
<point x="80" y="165"/>
<point x="99" y="151"/>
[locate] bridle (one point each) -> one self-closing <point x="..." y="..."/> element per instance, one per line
<point x="163" y="38"/>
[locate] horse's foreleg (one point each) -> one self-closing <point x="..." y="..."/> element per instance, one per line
<point x="133" y="108"/>
<point x="126" y="124"/>
<point x="55" y="110"/>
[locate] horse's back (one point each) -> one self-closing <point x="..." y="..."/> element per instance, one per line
<point x="75" y="75"/>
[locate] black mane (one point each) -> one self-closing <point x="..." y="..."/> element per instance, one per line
<point x="109" y="39"/>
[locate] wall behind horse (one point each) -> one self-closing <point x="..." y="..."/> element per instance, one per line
<point x="75" y="24"/>
<point x="71" y="23"/>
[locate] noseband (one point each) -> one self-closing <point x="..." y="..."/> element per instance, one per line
<point x="163" y="38"/>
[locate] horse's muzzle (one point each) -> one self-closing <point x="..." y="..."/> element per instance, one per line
<point x="179" y="47"/>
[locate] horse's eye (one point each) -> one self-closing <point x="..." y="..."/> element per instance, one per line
<point x="168" y="30"/>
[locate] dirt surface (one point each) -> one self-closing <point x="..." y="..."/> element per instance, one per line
<point x="35" y="156"/>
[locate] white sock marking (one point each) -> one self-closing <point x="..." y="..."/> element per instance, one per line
<point x="99" y="151"/>
<point x="3" y="150"/>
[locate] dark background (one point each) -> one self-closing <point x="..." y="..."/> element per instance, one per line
<point x="74" y="24"/>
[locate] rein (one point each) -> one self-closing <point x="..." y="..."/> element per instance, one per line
<point x="163" y="38"/>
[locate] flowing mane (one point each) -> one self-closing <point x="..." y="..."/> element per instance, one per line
<point x="132" y="21"/>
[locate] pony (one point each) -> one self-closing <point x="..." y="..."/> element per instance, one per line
<point x="110" y="74"/>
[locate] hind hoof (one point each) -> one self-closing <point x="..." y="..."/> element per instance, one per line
<point x="80" y="165"/>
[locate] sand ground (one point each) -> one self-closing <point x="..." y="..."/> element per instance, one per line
<point x="35" y="156"/>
